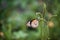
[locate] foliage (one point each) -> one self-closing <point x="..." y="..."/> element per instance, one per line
<point x="16" y="13"/>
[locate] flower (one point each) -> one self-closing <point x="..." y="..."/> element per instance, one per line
<point x="50" y="24"/>
<point x="34" y="23"/>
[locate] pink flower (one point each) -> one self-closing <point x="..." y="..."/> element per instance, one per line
<point x="34" y="24"/>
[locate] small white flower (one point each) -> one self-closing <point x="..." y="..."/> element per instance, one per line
<point x="28" y="24"/>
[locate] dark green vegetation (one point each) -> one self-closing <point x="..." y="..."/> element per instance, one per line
<point x="14" y="15"/>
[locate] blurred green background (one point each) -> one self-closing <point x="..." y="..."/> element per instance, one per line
<point x="14" y="15"/>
